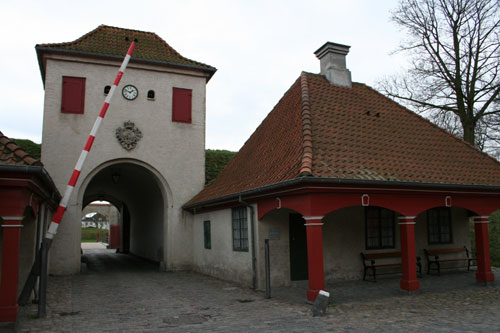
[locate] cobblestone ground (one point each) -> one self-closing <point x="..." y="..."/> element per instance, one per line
<point x="124" y="294"/>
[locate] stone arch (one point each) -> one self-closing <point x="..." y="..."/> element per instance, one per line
<point x="134" y="177"/>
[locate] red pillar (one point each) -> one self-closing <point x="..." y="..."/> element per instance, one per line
<point x="408" y="253"/>
<point x="10" y="267"/>
<point x="314" y="229"/>
<point x="484" y="273"/>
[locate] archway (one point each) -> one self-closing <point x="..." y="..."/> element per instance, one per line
<point x="137" y="194"/>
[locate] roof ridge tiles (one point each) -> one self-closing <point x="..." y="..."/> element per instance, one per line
<point x="307" y="147"/>
<point x="460" y="140"/>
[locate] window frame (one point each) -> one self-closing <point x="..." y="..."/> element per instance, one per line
<point x="207" y="234"/>
<point x="440" y="221"/>
<point x="380" y="227"/>
<point x="239" y="227"/>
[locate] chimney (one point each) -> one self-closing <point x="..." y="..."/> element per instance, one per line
<point x="332" y="61"/>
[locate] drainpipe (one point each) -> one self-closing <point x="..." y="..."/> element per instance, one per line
<point x="254" y="259"/>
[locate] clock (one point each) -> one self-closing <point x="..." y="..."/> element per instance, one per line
<point x="130" y="92"/>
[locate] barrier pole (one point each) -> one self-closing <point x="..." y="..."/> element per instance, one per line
<point x="56" y="220"/>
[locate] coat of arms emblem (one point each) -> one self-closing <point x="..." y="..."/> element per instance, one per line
<point x="128" y="135"/>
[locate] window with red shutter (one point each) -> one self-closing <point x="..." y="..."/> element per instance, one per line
<point x="73" y="95"/>
<point x="181" y="105"/>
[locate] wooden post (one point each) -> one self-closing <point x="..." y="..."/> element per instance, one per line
<point x="314" y="229"/>
<point x="10" y="267"/>
<point x="408" y="253"/>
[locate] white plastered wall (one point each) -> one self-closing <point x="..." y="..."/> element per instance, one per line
<point x="221" y="260"/>
<point x="175" y="150"/>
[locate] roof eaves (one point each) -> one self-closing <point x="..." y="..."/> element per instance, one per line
<point x="300" y="180"/>
<point x="38" y="171"/>
<point x="43" y="50"/>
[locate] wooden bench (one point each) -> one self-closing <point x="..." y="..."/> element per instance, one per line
<point x="433" y="258"/>
<point x="370" y="263"/>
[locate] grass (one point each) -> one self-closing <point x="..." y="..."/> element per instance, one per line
<point x="89" y="235"/>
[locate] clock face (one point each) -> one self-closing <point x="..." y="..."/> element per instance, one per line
<point x="130" y="92"/>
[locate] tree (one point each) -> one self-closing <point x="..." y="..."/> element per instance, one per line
<point x="454" y="77"/>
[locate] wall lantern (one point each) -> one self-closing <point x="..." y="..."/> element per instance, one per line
<point x="365" y="200"/>
<point x="447" y="201"/>
<point x="116" y="177"/>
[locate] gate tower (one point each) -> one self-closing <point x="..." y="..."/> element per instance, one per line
<point x="148" y="158"/>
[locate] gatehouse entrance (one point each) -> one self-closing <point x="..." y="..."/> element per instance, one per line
<point x="136" y="194"/>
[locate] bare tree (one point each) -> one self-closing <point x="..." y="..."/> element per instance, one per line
<point x="454" y="79"/>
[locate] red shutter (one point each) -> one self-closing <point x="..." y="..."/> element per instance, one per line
<point x="181" y="105"/>
<point x="73" y="95"/>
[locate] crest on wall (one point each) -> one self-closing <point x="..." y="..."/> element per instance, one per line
<point x="128" y="135"/>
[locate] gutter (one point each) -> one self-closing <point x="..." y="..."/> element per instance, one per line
<point x="38" y="171"/>
<point x="252" y="228"/>
<point x="300" y="180"/>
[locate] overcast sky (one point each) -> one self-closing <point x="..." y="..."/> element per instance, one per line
<point x="259" y="48"/>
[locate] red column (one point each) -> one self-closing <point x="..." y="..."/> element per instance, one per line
<point x="408" y="253"/>
<point x="484" y="272"/>
<point x="314" y="229"/>
<point x="10" y="267"/>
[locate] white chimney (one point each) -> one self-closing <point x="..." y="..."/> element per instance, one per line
<point x="333" y="66"/>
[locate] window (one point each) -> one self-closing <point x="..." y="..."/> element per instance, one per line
<point x="151" y="94"/>
<point x="439" y="225"/>
<point x="73" y="95"/>
<point x="240" y="229"/>
<point x="380" y="228"/>
<point x="181" y="105"/>
<point x="206" y="234"/>
<point x="107" y="89"/>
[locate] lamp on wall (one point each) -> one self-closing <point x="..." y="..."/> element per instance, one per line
<point x="115" y="177"/>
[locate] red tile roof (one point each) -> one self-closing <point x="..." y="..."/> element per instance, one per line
<point x="114" y="42"/>
<point x="326" y="131"/>
<point x="11" y="153"/>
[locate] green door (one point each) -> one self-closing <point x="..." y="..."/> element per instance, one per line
<point x="298" y="248"/>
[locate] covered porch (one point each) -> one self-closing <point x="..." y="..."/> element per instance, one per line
<point x="335" y="218"/>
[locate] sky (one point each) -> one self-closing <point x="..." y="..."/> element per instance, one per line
<point x="259" y="48"/>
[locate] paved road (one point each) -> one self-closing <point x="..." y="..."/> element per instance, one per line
<point x="121" y="293"/>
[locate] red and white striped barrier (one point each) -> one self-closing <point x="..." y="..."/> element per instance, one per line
<point x="56" y="220"/>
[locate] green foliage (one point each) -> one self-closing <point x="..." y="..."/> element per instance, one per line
<point x="215" y="162"/>
<point x="89" y="235"/>
<point x="32" y="148"/>
<point x="494" y="232"/>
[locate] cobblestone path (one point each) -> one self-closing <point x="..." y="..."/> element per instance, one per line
<point x="121" y="293"/>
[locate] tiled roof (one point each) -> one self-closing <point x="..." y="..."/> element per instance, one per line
<point x="326" y="131"/>
<point x="112" y="41"/>
<point x="11" y="153"/>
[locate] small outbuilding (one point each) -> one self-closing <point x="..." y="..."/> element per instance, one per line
<point x="337" y="169"/>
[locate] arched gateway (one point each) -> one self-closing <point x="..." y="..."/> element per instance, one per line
<point x="148" y="157"/>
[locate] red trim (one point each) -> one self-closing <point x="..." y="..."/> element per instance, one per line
<point x="74" y="178"/>
<point x="90" y="142"/>
<point x="118" y="78"/>
<point x="104" y="109"/>
<point x="58" y="215"/>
